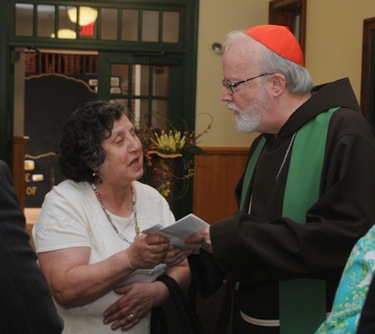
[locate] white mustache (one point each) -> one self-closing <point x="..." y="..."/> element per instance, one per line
<point x="232" y="106"/>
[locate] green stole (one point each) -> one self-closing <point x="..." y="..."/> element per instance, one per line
<point x="302" y="301"/>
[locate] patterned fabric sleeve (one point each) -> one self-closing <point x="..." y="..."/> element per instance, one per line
<point x="352" y="290"/>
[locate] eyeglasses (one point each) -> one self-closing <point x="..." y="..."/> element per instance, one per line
<point x="232" y="86"/>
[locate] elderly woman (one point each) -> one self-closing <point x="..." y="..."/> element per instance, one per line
<point x="100" y="268"/>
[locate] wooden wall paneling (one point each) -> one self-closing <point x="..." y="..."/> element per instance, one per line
<point x="368" y="69"/>
<point x="216" y="176"/>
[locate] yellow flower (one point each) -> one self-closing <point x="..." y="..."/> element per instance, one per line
<point x="169" y="143"/>
<point x="169" y="157"/>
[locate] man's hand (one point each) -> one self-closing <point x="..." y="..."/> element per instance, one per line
<point x="175" y="256"/>
<point x="202" y="238"/>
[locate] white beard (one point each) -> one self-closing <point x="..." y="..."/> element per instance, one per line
<point x="248" y="120"/>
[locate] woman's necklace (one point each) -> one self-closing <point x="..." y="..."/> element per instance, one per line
<point x="100" y="200"/>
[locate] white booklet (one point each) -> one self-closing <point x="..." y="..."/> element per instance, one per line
<point x="180" y="230"/>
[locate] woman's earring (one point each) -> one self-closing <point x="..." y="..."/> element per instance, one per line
<point x="94" y="173"/>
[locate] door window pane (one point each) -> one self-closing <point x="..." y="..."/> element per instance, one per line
<point x="46" y="20"/>
<point x="147" y="89"/>
<point x="160" y="109"/>
<point x="67" y="28"/>
<point x="121" y="72"/>
<point x="171" y="23"/>
<point x="87" y="25"/>
<point x="145" y="114"/>
<point x="130" y="21"/>
<point x="141" y="78"/>
<point x="161" y="80"/>
<point x="150" y="26"/>
<point x="80" y="22"/>
<point x="84" y="16"/>
<point x="24" y="19"/>
<point x="109" y="24"/>
<point x="139" y="109"/>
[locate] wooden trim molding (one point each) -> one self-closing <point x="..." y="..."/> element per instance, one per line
<point x="19" y="149"/>
<point x="216" y="176"/>
<point x="367" y="82"/>
<point x="290" y="13"/>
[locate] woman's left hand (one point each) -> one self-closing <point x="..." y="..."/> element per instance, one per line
<point x="136" y="302"/>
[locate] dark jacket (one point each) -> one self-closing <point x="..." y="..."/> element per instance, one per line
<point x="262" y="248"/>
<point x="25" y="301"/>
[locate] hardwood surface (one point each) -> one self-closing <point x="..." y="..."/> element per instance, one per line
<point x="19" y="149"/>
<point x="216" y="176"/>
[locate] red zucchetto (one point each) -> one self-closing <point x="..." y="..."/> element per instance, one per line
<point x="278" y="39"/>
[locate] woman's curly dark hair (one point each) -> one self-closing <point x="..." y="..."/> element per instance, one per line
<point x="81" y="142"/>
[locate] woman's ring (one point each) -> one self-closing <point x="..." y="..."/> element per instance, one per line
<point x="131" y="316"/>
<point x="155" y="256"/>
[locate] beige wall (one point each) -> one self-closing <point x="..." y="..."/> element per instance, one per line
<point x="216" y="19"/>
<point x="334" y="39"/>
<point x="333" y="51"/>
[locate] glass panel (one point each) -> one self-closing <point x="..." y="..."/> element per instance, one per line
<point x="141" y="79"/>
<point x="119" y="79"/>
<point x="87" y="22"/>
<point x="129" y="29"/>
<point x="67" y="28"/>
<point x="46" y="20"/>
<point x="160" y="109"/>
<point x="109" y="24"/>
<point x="161" y="80"/>
<point x="88" y="31"/>
<point x="71" y="13"/>
<point x="171" y="23"/>
<point x="150" y="26"/>
<point x="24" y="19"/>
<point x="87" y="15"/>
<point x="145" y="115"/>
<point x="136" y="111"/>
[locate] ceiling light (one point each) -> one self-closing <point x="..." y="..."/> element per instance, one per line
<point x="87" y="15"/>
<point x="65" y="33"/>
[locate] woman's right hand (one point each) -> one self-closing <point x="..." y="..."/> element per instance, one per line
<point x="147" y="251"/>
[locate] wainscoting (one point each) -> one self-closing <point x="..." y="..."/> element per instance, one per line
<point x="215" y="179"/>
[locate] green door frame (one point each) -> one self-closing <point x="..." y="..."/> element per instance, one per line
<point x="6" y="101"/>
<point x="186" y="49"/>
